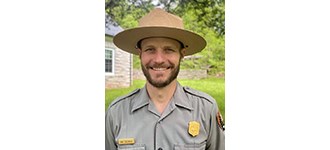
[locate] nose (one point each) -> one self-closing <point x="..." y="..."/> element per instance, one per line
<point x="159" y="57"/>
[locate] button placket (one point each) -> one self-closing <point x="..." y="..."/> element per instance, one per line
<point x="157" y="144"/>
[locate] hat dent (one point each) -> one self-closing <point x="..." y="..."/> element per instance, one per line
<point x="158" y="17"/>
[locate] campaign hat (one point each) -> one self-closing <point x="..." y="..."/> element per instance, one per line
<point x="159" y="23"/>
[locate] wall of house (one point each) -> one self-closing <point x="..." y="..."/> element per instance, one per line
<point x="123" y="69"/>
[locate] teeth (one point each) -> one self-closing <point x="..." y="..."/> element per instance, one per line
<point x="159" y="69"/>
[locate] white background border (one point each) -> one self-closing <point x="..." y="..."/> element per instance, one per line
<point x="277" y="78"/>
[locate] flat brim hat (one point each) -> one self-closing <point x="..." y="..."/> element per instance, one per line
<point x="159" y="23"/>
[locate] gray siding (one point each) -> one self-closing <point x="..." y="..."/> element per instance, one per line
<point x="123" y="68"/>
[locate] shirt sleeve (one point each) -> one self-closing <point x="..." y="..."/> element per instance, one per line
<point x="110" y="143"/>
<point x="216" y="139"/>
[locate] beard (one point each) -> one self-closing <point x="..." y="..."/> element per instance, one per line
<point x="160" y="84"/>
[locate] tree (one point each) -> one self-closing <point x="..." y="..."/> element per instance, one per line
<point x="210" y="12"/>
<point x="127" y="12"/>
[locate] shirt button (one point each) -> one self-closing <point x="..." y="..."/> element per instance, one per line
<point x="160" y="148"/>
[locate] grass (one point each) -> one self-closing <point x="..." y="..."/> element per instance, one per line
<point x="212" y="86"/>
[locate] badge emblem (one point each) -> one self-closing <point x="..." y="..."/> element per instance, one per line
<point x="193" y="128"/>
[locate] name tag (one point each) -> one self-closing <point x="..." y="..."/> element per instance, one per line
<point x="126" y="141"/>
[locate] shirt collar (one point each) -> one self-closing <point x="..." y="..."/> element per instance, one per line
<point x="140" y="100"/>
<point x="179" y="98"/>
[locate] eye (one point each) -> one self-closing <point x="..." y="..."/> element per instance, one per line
<point x="169" y="50"/>
<point x="148" y="50"/>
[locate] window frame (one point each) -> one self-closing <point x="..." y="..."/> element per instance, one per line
<point x="112" y="50"/>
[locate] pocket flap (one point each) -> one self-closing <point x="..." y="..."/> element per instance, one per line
<point x="131" y="147"/>
<point x="201" y="146"/>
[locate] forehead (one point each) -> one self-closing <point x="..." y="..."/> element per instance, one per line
<point x="161" y="41"/>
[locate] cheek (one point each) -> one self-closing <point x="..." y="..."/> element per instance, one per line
<point x="175" y="59"/>
<point x="144" y="60"/>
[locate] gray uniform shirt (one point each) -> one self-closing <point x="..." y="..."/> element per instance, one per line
<point x="134" y="116"/>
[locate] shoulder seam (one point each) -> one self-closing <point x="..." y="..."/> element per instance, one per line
<point x="199" y="94"/>
<point x="123" y="97"/>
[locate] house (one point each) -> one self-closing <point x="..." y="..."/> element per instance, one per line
<point x="118" y="63"/>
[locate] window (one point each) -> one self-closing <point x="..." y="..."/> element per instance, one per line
<point x="109" y="61"/>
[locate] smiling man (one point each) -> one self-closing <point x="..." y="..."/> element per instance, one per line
<point x="160" y="60"/>
<point x="162" y="115"/>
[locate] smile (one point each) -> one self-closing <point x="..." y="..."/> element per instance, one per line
<point x="159" y="69"/>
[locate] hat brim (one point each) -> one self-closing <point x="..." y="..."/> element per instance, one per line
<point x="127" y="39"/>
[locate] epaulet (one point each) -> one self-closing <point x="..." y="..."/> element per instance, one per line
<point x="199" y="94"/>
<point x="124" y="97"/>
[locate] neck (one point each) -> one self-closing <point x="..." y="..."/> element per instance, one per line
<point x="161" y="96"/>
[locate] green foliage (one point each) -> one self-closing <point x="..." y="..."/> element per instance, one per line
<point x="127" y="12"/>
<point x="213" y="56"/>
<point x="136" y="62"/>
<point x="211" y="13"/>
<point x="108" y="38"/>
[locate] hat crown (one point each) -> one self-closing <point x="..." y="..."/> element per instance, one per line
<point x="159" y="17"/>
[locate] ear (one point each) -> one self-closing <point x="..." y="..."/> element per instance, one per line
<point x="183" y="52"/>
<point x="140" y="52"/>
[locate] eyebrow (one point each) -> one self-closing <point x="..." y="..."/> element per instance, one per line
<point x="138" y="44"/>
<point x="148" y="46"/>
<point x="173" y="47"/>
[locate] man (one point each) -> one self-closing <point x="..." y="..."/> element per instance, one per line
<point x="162" y="115"/>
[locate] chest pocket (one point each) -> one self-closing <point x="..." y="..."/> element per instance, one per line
<point x="132" y="147"/>
<point x="190" y="147"/>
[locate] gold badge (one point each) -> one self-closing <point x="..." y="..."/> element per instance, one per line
<point x="126" y="141"/>
<point x="193" y="128"/>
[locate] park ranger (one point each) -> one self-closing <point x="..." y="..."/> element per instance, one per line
<point x="163" y="115"/>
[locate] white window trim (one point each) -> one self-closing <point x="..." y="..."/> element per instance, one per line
<point x="113" y="62"/>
